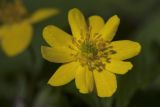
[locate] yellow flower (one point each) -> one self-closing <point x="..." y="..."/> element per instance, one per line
<point x="89" y="56"/>
<point x="16" y="26"/>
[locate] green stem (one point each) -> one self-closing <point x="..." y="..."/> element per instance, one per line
<point x="32" y="82"/>
<point x="33" y="60"/>
<point x="21" y="93"/>
<point x="100" y="102"/>
<point x="32" y="54"/>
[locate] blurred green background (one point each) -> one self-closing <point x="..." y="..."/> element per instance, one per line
<point x="23" y="79"/>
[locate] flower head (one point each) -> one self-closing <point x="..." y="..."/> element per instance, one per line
<point x="89" y="56"/>
<point x="16" y="26"/>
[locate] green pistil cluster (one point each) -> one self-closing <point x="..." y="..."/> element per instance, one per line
<point x="89" y="49"/>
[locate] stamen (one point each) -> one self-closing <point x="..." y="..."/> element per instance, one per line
<point x="77" y="44"/>
<point x="88" y="33"/>
<point x="113" y="52"/>
<point x="108" y="60"/>
<point x="97" y="36"/>
<point x="93" y="51"/>
<point x="82" y="35"/>
<point x="110" y="47"/>
<point x="71" y="47"/>
<point x="80" y="41"/>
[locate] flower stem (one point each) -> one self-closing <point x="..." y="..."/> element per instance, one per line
<point x="33" y="55"/>
<point x="100" y="102"/>
<point x="19" y="102"/>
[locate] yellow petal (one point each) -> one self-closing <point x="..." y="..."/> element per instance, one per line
<point x="125" y="49"/>
<point x="80" y="80"/>
<point x="96" y="23"/>
<point x="110" y="28"/>
<point x="119" y="67"/>
<point x="77" y="23"/>
<point x="16" y="38"/>
<point x="3" y="30"/>
<point x="84" y="80"/>
<point x="56" y="37"/>
<point x="89" y="80"/>
<point x="64" y="74"/>
<point x="42" y="14"/>
<point x="57" y="54"/>
<point x="106" y="83"/>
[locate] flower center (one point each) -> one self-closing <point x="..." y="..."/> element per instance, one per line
<point x="12" y="11"/>
<point x="93" y="52"/>
<point x="88" y="49"/>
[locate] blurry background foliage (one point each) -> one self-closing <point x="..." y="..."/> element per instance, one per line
<point x="23" y="79"/>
